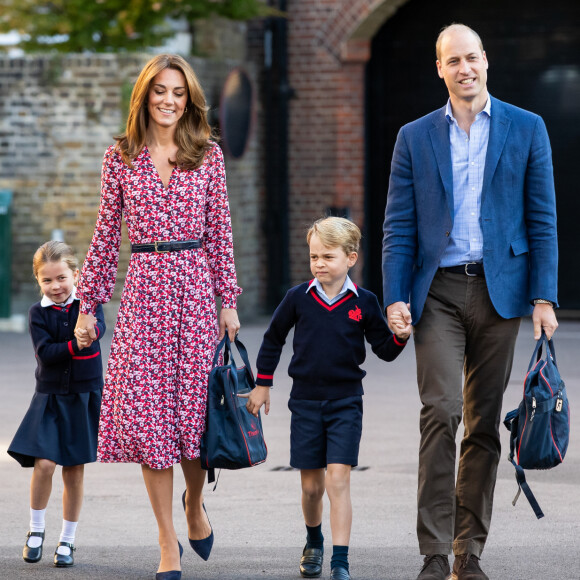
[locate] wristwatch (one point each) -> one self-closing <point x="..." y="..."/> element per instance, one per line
<point x="542" y="301"/>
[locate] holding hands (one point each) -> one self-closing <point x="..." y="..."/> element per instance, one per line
<point x="83" y="339"/>
<point x="85" y="330"/>
<point x="399" y="319"/>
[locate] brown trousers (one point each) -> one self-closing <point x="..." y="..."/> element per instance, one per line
<point x="460" y="333"/>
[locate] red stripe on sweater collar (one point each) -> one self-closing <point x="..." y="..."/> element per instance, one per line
<point x="67" y="307"/>
<point x="330" y="306"/>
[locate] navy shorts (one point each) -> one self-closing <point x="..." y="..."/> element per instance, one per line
<point x="323" y="432"/>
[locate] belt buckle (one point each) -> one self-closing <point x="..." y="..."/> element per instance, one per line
<point x="158" y="251"/>
<point x="467" y="272"/>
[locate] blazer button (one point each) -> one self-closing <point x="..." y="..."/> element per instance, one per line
<point x="447" y="234"/>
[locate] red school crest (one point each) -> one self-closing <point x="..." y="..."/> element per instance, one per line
<point x="355" y="314"/>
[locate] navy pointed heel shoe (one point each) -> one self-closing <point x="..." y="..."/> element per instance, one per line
<point x="171" y="574"/>
<point x="201" y="547"/>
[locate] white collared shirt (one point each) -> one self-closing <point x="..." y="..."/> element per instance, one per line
<point x="348" y="285"/>
<point x="45" y="301"/>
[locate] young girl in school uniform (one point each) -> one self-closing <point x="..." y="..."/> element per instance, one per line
<point x="61" y="424"/>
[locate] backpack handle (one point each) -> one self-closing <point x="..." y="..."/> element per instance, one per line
<point x="537" y="354"/>
<point x="226" y="344"/>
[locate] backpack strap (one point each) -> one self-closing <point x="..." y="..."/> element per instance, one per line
<point x="218" y="350"/>
<point x="226" y="345"/>
<point x="228" y="354"/>
<point x="511" y="422"/>
<point x="243" y="354"/>
<point x="537" y="354"/>
<point x="523" y="486"/>
<point x="550" y="350"/>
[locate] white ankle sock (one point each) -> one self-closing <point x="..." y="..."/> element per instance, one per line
<point x="36" y="525"/>
<point x="67" y="535"/>
<point x="37" y="520"/>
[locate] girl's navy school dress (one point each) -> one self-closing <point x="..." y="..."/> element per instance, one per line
<point x="62" y="421"/>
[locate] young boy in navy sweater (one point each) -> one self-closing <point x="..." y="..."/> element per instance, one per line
<point x="331" y="317"/>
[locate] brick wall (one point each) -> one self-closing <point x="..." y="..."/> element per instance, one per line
<point x="57" y="116"/>
<point x="328" y="49"/>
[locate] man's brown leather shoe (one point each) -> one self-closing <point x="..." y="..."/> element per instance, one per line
<point x="466" y="567"/>
<point x="435" y="567"/>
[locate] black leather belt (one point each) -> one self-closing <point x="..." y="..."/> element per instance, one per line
<point x="470" y="269"/>
<point x="160" y="247"/>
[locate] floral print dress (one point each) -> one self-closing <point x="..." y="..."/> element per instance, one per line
<point x="154" y="398"/>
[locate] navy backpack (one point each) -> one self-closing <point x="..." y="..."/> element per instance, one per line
<point x="233" y="437"/>
<point x="540" y="426"/>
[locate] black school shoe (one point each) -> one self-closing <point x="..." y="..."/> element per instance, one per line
<point x="64" y="561"/>
<point x="339" y="573"/>
<point x="311" y="562"/>
<point x="32" y="555"/>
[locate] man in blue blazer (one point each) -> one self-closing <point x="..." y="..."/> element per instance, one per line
<point x="470" y="246"/>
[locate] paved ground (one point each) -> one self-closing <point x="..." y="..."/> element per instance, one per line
<point x="256" y="512"/>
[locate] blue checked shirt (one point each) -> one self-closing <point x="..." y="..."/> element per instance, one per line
<point x="468" y="160"/>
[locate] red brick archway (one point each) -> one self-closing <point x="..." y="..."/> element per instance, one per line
<point x="328" y="46"/>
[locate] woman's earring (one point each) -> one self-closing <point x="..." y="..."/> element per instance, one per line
<point x="185" y="110"/>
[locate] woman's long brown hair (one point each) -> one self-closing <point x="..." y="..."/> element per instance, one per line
<point x="193" y="130"/>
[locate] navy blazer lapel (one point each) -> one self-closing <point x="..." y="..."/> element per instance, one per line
<point x="498" y="131"/>
<point x="439" y="134"/>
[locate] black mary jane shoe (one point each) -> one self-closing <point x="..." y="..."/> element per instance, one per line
<point x="32" y="555"/>
<point x="64" y="560"/>
<point x="311" y="562"/>
<point x="339" y="573"/>
<point x="171" y="574"/>
<point x="201" y="547"/>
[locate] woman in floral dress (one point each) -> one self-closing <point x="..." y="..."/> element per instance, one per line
<point x="167" y="178"/>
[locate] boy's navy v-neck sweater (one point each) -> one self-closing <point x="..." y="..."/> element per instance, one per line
<point x="329" y="342"/>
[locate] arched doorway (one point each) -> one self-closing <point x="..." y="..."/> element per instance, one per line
<point x="533" y="48"/>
